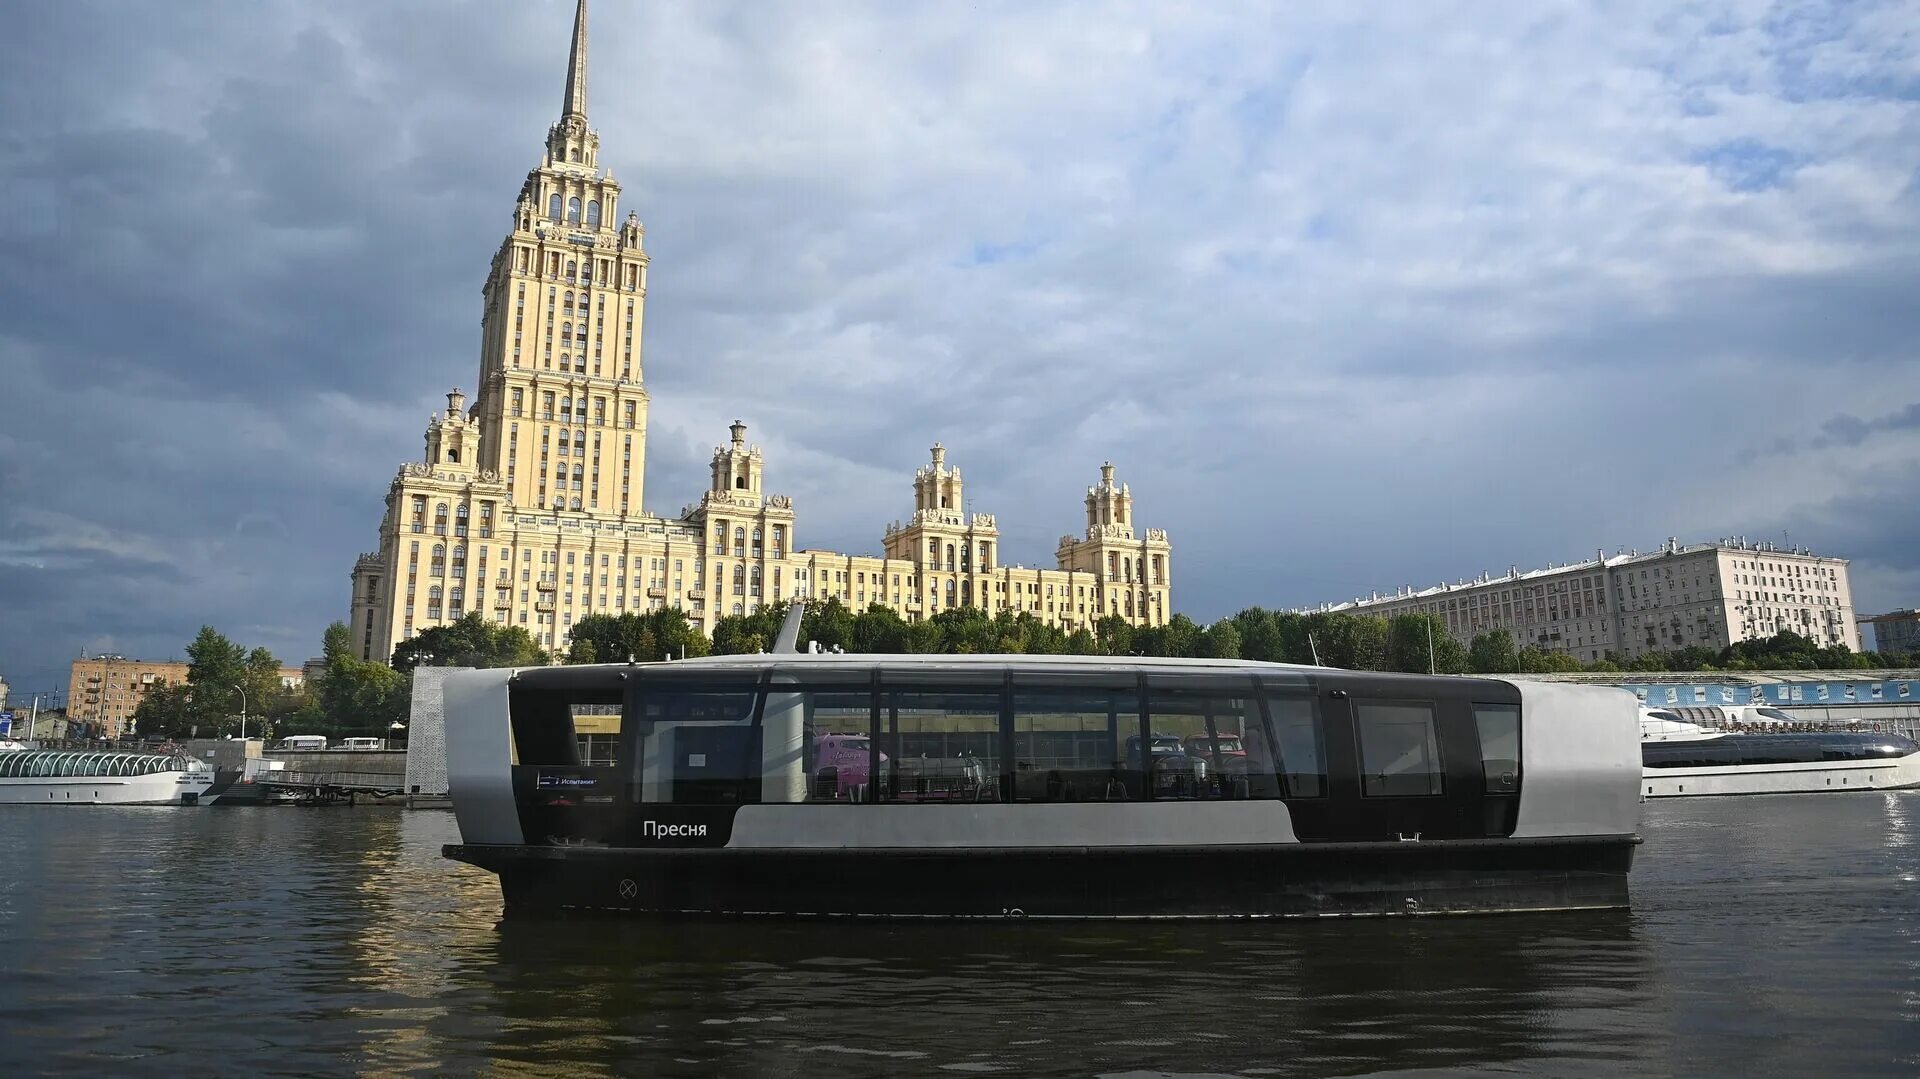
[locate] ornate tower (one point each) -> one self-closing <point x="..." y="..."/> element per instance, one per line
<point x="561" y="406"/>
<point x="1132" y="572"/>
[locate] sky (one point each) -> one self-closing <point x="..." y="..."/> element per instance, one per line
<point x="1354" y="296"/>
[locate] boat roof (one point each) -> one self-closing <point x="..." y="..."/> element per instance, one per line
<point x="968" y="668"/>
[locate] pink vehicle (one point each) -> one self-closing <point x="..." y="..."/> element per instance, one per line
<point x="850" y="758"/>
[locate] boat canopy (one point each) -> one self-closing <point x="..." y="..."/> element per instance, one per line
<point x="51" y="764"/>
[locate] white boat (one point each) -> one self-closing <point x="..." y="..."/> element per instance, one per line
<point x="99" y="777"/>
<point x="1682" y="759"/>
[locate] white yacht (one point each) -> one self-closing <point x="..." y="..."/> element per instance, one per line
<point x="1683" y="759"/>
<point x="99" y="777"/>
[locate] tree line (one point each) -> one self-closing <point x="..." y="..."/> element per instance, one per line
<point x="354" y="696"/>
<point x="1414" y="643"/>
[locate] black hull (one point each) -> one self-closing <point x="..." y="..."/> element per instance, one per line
<point x="1294" y="880"/>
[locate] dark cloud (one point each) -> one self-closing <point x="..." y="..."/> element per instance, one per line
<point x="1352" y="299"/>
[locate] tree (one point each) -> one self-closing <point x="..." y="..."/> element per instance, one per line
<point x="1419" y="643"/>
<point x="1493" y="653"/>
<point x="1220" y="640"/>
<point x="1113" y="636"/>
<point x="829" y="624"/>
<point x="880" y="629"/>
<point x="1535" y="660"/>
<point x="352" y="694"/>
<point x="470" y="641"/>
<point x="643" y="637"/>
<point x="1354" y="642"/>
<point x="214" y="661"/>
<point x="166" y="710"/>
<point x="1260" y="636"/>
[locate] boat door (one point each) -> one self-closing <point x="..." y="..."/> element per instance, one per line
<point x="1402" y="761"/>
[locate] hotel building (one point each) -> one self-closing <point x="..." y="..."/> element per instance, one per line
<point x="1707" y="594"/>
<point x="527" y="505"/>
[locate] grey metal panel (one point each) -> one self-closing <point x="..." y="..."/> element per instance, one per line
<point x="1074" y="824"/>
<point x="480" y="756"/>
<point x="1580" y="760"/>
<point x="427" y="731"/>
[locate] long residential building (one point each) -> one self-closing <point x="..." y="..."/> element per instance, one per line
<point x="1706" y="594"/>
<point x="527" y="506"/>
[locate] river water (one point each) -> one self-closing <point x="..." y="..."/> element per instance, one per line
<point x="1768" y="936"/>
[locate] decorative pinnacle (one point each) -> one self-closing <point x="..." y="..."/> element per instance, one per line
<point x="576" y="99"/>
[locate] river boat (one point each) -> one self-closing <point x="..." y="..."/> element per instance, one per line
<point x="104" y="777"/>
<point x="1681" y="759"/>
<point x="1003" y="786"/>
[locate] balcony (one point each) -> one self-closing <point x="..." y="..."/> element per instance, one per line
<point x="546" y="586"/>
<point x="657" y="593"/>
<point x="544" y="603"/>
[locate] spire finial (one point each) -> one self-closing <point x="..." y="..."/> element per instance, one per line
<point x="576" y="100"/>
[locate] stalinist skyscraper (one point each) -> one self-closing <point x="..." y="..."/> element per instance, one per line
<point x="527" y="505"/>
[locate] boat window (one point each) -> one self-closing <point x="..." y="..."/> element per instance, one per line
<point x="543" y="723"/>
<point x="1296" y="733"/>
<point x="815" y="746"/>
<point x="941" y="747"/>
<point x="694" y="745"/>
<point x="1068" y="745"/>
<point x="1399" y="753"/>
<point x="1499" y="726"/>
<point x="1196" y="746"/>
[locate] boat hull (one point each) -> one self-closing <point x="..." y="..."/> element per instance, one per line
<point x="1887" y="774"/>
<point x="1283" y="880"/>
<point x="157" y="788"/>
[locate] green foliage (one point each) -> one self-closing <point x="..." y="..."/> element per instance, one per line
<point x="1419" y="643"/>
<point x="471" y="641"/>
<point x="1220" y="640"/>
<point x="223" y="679"/>
<point x="1493" y="653"/>
<point x="602" y="638"/>
<point x="352" y="696"/>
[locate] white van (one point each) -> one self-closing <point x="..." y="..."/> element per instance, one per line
<point x="302" y="741"/>
<point x="363" y="743"/>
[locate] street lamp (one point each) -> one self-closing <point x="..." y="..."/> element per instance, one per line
<point x="243" y="710"/>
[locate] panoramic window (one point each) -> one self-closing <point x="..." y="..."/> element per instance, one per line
<point x="941" y="747"/>
<point x="1196" y="746"/>
<point x="1069" y="746"/>
<point x="815" y="746"/>
<point x="1399" y="753"/>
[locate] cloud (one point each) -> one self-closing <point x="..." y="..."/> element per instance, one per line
<point x="1352" y="297"/>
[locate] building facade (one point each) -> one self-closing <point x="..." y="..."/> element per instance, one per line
<point x="1708" y="594"/>
<point x="1896" y="631"/>
<point x="527" y="506"/>
<point x="104" y="690"/>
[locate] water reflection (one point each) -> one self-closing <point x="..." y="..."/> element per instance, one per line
<point x="1029" y="998"/>
<point x="1767" y="936"/>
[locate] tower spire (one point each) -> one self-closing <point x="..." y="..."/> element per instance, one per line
<point x="576" y="99"/>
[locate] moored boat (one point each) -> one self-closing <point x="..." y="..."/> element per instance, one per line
<point x="1682" y="759"/>
<point x="101" y="777"/>
<point x="1017" y="786"/>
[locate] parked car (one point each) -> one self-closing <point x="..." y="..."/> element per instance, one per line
<point x="1225" y="752"/>
<point x="1174" y="771"/>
